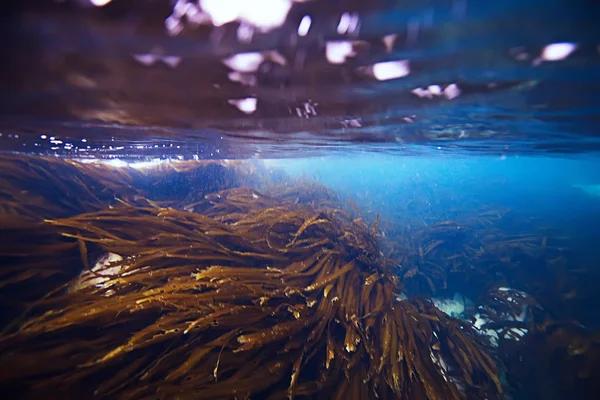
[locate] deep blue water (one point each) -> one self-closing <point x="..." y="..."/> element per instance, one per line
<point x="560" y="189"/>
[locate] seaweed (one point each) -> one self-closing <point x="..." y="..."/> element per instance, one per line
<point x="534" y="287"/>
<point x="477" y="253"/>
<point x="35" y="188"/>
<point x="238" y="294"/>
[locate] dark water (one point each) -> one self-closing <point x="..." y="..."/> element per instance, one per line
<point x="482" y="116"/>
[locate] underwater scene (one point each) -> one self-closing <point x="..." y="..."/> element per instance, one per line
<point x="300" y="199"/>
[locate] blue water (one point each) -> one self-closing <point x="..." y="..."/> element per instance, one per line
<point x="554" y="197"/>
<point x="538" y="186"/>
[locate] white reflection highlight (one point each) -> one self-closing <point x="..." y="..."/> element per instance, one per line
<point x="173" y="25"/>
<point x="244" y="79"/>
<point x="558" y="51"/>
<point x="337" y="51"/>
<point x="197" y="17"/>
<point x="304" y="26"/>
<point x="181" y="8"/>
<point x="247" y="105"/>
<point x="351" y="123"/>
<point x="124" y="164"/>
<point x="452" y="91"/>
<point x="354" y="20"/>
<point x="100" y="3"/>
<point x="519" y="53"/>
<point x="244" y="62"/>
<point x="222" y="12"/>
<point x="150" y="59"/>
<point x="348" y="23"/>
<point x="342" y="27"/>
<point x="420" y="92"/>
<point x="435" y="90"/>
<point x="387" y="70"/>
<point x="245" y="33"/>
<point x="172" y="61"/>
<point x="264" y="14"/>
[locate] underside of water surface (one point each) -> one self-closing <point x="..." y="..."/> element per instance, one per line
<point x="283" y="78"/>
<point x="271" y="199"/>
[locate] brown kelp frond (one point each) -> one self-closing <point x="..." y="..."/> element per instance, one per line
<point x="34" y="188"/>
<point x="473" y="253"/>
<point x="34" y="261"/>
<point x="254" y="297"/>
<point x="289" y="228"/>
<point x="453" y="353"/>
<point x="187" y="182"/>
<point x="304" y="191"/>
<point x="234" y="203"/>
<point x="273" y="222"/>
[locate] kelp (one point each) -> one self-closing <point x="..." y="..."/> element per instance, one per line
<point x="304" y="191"/>
<point x="186" y="182"/>
<point x="37" y="188"/>
<point x="442" y="241"/>
<point x="33" y="189"/>
<point x="34" y="261"/>
<point x="475" y="254"/>
<point x="547" y="353"/>
<point x="239" y="294"/>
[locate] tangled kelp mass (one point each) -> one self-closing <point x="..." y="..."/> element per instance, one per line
<point x="487" y="248"/>
<point x="535" y="288"/>
<point x="33" y="189"/>
<point x="38" y="187"/>
<point x="237" y="294"/>
<point x="225" y="280"/>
